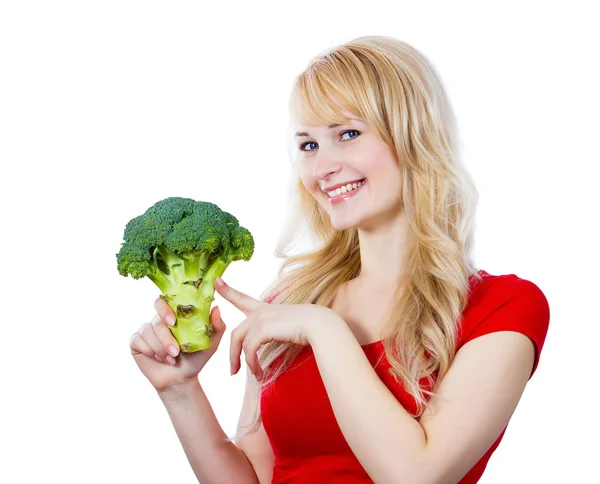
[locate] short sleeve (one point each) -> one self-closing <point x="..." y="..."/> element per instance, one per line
<point x="512" y="304"/>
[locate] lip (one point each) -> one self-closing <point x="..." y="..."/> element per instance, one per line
<point x="335" y="187"/>
<point x="342" y="197"/>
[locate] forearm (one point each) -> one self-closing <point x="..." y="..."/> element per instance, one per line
<point x="213" y="459"/>
<point x="388" y="442"/>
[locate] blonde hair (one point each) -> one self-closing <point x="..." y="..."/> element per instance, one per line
<point x="397" y="91"/>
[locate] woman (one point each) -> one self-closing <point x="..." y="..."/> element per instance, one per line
<point x="384" y="355"/>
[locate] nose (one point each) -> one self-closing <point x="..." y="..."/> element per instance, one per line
<point x="326" y="164"/>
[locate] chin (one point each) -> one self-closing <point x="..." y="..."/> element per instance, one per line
<point x="343" y="224"/>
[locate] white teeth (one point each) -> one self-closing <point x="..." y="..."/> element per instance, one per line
<point x="345" y="189"/>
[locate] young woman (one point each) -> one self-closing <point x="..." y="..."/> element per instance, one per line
<point x="384" y="355"/>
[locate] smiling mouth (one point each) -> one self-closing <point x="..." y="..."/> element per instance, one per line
<point x="350" y="187"/>
<point x="340" y="196"/>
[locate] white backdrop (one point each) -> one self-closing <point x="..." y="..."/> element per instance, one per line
<point x="107" y="107"/>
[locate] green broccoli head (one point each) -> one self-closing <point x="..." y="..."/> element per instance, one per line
<point x="182" y="246"/>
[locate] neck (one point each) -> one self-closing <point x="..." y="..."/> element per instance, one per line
<point x="383" y="252"/>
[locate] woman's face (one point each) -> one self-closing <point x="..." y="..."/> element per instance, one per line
<point x="351" y="173"/>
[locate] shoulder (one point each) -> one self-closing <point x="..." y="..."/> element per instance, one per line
<point x="493" y="291"/>
<point x="505" y="303"/>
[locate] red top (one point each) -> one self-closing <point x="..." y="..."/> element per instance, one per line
<point x="308" y="444"/>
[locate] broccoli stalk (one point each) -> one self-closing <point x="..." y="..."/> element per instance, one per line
<point x="188" y="287"/>
<point x="183" y="246"/>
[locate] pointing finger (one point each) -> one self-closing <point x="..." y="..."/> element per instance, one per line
<point x="242" y="301"/>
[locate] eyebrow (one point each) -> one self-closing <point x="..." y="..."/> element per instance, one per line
<point x="303" y="133"/>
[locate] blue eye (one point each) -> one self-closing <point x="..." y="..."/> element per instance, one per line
<point x="301" y="147"/>
<point x="306" y="143"/>
<point x="350" y="131"/>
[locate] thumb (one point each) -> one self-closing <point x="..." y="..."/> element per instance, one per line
<point x="217" y="323"/>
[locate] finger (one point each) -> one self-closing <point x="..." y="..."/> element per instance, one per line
<point x="235" y="348"/>
<point x="166" y="338"/>
<point x="251" y="348"/>
<point x="216" y="320"/>
<point x="240" y="300"/>
<point x="147" y="332"/>
<point x="164" y="311"/>
<point x="139" y="346"/>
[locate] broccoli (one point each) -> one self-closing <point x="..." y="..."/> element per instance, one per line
<point x="182" y="246"/>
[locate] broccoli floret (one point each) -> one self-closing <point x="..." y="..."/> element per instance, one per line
<point x="182" y="246"/>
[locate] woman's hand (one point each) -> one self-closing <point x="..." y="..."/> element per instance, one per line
<point x="293" y="323"/>
<point x="156" y="351"/>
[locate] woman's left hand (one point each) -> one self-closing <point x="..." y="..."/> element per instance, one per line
<point x="293" y="323"/>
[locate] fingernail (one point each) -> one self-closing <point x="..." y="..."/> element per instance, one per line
<point x="170" y="320"/>
<point x="157" y="358"/>
<point x="171" y="360"/>
<point x="173" y="350"/>
<point x="219" y="282"/>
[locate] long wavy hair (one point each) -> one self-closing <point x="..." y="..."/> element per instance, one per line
<point x="397" y="91"/>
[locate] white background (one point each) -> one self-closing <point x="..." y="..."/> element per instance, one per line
<point x="109" y="106"/>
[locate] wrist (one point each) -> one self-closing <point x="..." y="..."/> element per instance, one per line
<point x="179" y="391"/>
<point x="328" y="333"/>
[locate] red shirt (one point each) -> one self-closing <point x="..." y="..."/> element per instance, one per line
<point x="308" y="444"/>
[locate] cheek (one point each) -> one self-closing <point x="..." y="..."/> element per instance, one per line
<point x="307" y="179"/>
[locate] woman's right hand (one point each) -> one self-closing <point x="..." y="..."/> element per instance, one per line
<point x="156" y="351"/>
